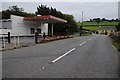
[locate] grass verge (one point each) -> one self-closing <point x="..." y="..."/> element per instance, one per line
<point x="116" y="44"/>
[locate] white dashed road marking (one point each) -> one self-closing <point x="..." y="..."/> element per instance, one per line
<point x="68" y="52"/>
<point x="82" y="43"/>
<point x="114" y="47"/>
<point x="90" y="39"/>
<point x="63" y="55"/>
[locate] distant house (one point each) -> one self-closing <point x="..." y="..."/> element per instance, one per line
<point x="25" y="26"/>
<point x="106" y="30"/>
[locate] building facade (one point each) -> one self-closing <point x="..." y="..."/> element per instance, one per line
<point x="16" y="25"/>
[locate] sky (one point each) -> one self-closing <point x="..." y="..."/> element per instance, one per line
<point x="119" y="10"/>
<point x="91" y="9"/>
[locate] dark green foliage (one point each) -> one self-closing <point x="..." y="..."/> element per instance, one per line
<point x="15" y="10"/>
<point x="44" y="10"/>
<point x="97" y="20"/>
<point x="70" y="26"/>
<point x="118" y="27"/>
<point x="102" y="20"/>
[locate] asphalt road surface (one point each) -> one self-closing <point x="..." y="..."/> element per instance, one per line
<point x="78" y="57"/>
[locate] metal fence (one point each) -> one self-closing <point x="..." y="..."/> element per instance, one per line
<point x="12" y="40"/>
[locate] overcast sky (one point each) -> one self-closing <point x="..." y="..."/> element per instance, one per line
<point x="91" y="10"/>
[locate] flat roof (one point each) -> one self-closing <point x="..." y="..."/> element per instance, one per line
<point x="46" y="18"/>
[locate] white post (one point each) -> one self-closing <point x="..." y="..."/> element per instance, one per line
<point x="18" y="40"/>
<point x="52" y="29"/>
<point x="4" y="42"/>
<point x="14" y="41"/>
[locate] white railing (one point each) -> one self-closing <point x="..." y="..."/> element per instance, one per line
<point x="16" y="39"/>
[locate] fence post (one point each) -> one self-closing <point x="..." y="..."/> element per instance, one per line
<point x="14" y="41"/>
<point x="18" y="40"/>
<point x="9" y="37"/>
<point x="36" y="37"/>
<point x="2" y="43"/>
<point x="44" y="35"/>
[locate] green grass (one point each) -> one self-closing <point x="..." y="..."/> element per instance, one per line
<point x="91" y="28"/>
<point x="94" y="26"/>
<point x="116" y="44"/>
<point x="101" y="23"/>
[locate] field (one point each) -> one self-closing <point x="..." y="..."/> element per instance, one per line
<point x="95" y="26"/>
<point x="113" y="23"/>
<point x="92" y="27"/>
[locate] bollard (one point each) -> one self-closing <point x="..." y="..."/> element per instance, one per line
<point x="44" y="35"/>
<point x="9" y="37"/>
<point x="18" y="40"/>
<point x="2" y="43"/>
<point x="36" y="37"/>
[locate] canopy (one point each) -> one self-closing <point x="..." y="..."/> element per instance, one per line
<point x="46" y="18"/>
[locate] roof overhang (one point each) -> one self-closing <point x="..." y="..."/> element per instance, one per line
<point x="46" y="19"/>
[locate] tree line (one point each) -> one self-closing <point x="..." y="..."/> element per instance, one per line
<point x="101" y="20"/>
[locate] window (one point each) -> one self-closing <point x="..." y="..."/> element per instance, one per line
<point x="32" y="30"/>
<point x="38" y="30"/>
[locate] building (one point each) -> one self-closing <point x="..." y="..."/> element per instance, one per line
<point x="106" y="30"/>
<point x="27" y="26"/>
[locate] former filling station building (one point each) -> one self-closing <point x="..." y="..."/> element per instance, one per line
<point x="25" y="26"/>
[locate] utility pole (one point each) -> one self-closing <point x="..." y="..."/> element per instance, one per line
<point x="82" y="19"/>
<point x="81" y="26"/>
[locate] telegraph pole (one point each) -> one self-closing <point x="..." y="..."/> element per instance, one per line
<point x="82" y="19"/>
<point x="81" y="26"/>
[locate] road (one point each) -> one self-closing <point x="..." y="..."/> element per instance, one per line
<point x="78" y="57"/>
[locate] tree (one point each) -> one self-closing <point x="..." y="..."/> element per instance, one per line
<point x="15" y="10"/>
<point x="117" y="19"/>
<point x="44" y="10"/>
<point x="118" y="27"/>
<point x="71" y="25"/>
<point x="97" y="20"/>
<point x="103" y="19"/>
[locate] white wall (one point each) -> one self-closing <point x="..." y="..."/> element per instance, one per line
<point x="21" y="27"/>
<point x="4" y="31"/>
<point x="44" y="28"/>
<point x="18" y="25"/>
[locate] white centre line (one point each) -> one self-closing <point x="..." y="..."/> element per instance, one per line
<point x="63" y="55"/>
<point x="90" y="39"/>
<point x="82" y="43"/>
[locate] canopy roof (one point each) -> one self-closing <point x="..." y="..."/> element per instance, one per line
<point x="46" y="18"/>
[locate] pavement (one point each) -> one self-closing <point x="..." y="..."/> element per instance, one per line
<point x="23" y="42"/>
<point x="26" y="42"/>
<point x="78" y="57"/>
